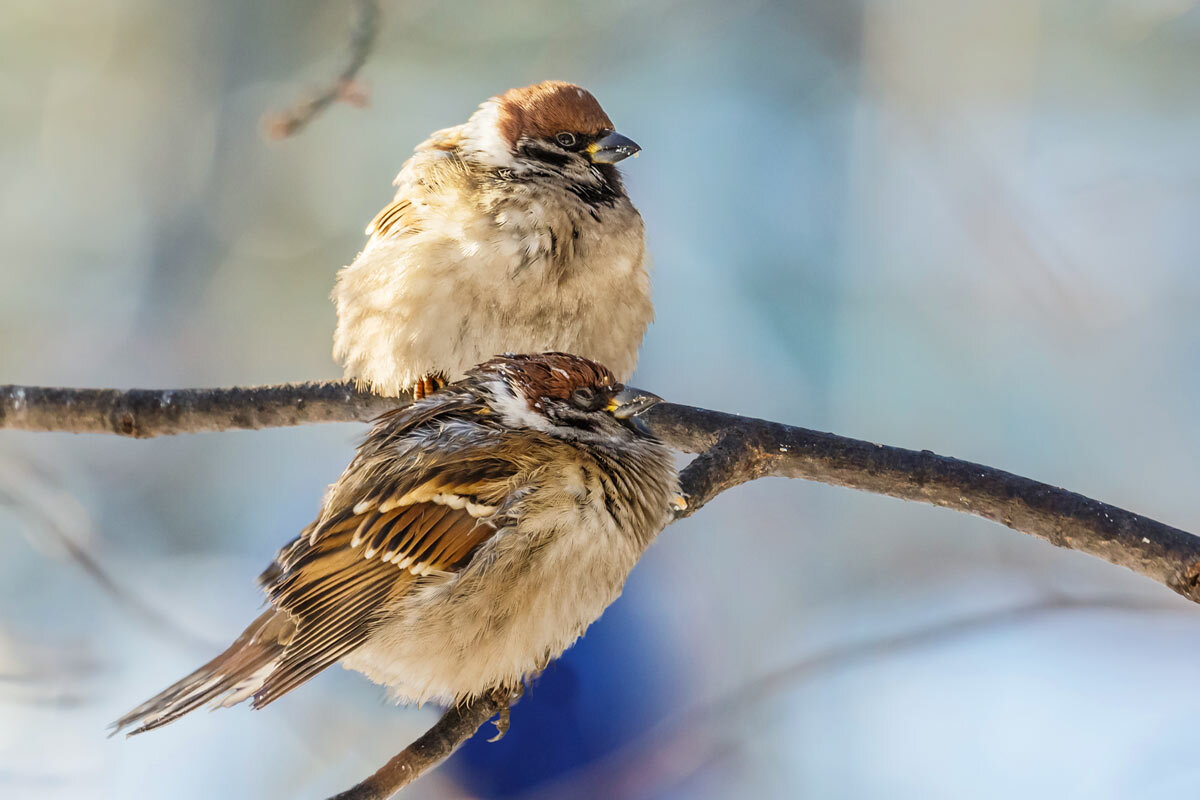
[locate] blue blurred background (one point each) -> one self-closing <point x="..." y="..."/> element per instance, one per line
<point x="969" y="227"/>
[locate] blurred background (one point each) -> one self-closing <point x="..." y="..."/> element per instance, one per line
<point x="968" y="227"/>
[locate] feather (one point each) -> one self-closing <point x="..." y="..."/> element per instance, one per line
<point x="237" y="671"/>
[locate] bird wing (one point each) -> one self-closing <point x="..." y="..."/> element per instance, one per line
<point x="403" y="511"/>
<point x="397" y="216"/>
<point x="334" y="589"/>
<point x="225" y="680"/>
<point x="426" y="488"/>
<point x="327" y="589"/>
<point x="434" y="166"/>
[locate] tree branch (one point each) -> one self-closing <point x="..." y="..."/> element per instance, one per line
<point x="144" y="413"/>
<point x="651" y="761"/>
<point x="282" y="124"/>
<point x="732" y="450"/>
<point x="453" y="729"/>
<point x="738" y="449"/>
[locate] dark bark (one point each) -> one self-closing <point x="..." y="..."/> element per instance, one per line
<point x="144" y="413"/>
<point x="732" y="450"/>
<point x="738" y="449"/>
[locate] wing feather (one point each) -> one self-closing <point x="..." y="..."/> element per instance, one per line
<point x="396" y="217"/>
<point x="426" y="517"/>
<point x="425" y="490"/>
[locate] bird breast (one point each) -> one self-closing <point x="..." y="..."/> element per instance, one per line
<point x="526" y="596"/>
<point x="524" y="273"/>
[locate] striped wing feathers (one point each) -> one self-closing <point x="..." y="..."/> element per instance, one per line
<point x="339" y="578"/>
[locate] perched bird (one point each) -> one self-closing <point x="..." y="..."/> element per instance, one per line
<point x="474" y="537"/>
<point x="510" y="233"/>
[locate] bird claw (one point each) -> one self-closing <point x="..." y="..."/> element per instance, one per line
<point x="502" y="721"/>
<point x="505" y="699"/>
<point x="427" y="385"/>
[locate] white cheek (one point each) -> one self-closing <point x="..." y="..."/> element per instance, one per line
<point x="515" y="411"/>
<point x="483" y="133"/>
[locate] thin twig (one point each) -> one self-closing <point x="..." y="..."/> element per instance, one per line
<point x="47" y="513"/>
<point x="668" y="752"/>
<point x="632" y="764"/>
<point x="732" y="450"/>
<point x="454" y="728"/>
<point x="363" y="31"/>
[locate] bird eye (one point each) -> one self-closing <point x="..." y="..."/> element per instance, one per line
<point x="566" y="139"/>
<point x="584" y="397"/>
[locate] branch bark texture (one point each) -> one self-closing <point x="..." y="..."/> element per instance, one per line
<point x="144" y="413"/>
<point x="732" y="450"/>
<point x="736" y="449"/>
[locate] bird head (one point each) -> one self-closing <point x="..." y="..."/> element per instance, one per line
<point x="563" y="395"/>
<point x="550" y="129"/>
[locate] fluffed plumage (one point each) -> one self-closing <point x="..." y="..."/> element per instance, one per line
<point x="509" y="233"/>
<point x="475" y="535"/>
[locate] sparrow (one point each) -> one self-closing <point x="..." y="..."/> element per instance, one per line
<point x="474" y="537"/>
<point x="509" y="233"/>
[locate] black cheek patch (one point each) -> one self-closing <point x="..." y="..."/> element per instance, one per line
<point x="606" y="193"/>
<point x="535" y="151"/>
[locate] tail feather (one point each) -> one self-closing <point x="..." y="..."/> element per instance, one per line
<point x="230" y="678"/>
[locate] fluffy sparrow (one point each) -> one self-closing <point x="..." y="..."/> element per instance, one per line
<point x="509" y="233"/>
<point x="474" y="537"/>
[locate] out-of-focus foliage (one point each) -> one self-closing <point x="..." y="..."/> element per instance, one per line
<point x="970" y="227"/>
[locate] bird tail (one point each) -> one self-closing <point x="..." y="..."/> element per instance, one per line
<point x="228" y="679"/>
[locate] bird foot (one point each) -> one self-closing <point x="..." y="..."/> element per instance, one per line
<point x="502" y="722"/>
<point x="427" y="385"/>
<point x="505" y="698"/>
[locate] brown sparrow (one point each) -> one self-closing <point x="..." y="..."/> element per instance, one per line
<point x="474" y="537"/>
<point x="509" y="233"/>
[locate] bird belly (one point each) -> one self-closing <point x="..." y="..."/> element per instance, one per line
<point x="441" y="302"/>
<point x="459" y="637"/>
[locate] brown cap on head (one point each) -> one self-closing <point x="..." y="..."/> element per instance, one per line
<point x="544" y="109"/>
<point x="554" y="375"/>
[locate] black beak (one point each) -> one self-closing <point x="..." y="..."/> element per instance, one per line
<point x="611" y="148"/>
<point x="626" y="404"/>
